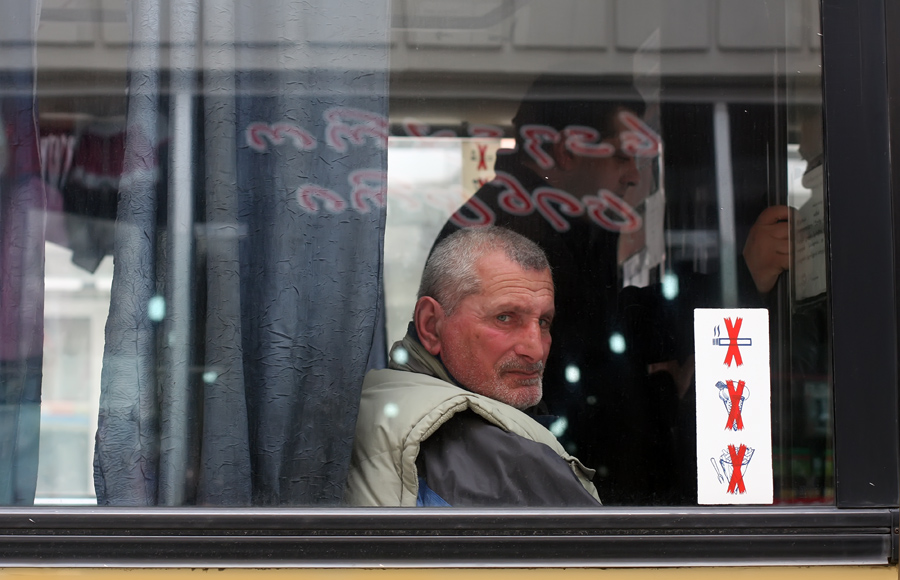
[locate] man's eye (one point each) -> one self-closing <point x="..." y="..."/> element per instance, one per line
<point x="545" y="322"/>
<point x="503" y="318"/>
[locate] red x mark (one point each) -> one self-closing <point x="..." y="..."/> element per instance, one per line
<point x="737" y="460"/>
<point x="482" y="163"/>
<point x="734" y="351"/>
<point x="734" y="417"/>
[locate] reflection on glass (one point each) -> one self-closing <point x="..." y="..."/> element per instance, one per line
<point x="215" y="220"/>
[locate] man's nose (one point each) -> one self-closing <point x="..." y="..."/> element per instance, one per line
<point x="631" y="175"/>
<point x="530" y="342"/>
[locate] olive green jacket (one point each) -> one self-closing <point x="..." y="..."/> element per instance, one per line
<point x="399" y="409"/>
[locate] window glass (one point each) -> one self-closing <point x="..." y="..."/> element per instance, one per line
<point x="716" y="202"/>
<point x="215" y="216"/>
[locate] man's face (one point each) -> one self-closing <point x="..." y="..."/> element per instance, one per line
<point x="589" y="175"/>
<point x="496" y="342"/>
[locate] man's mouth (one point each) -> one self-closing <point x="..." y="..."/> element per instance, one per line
<point x="529" y="373"/>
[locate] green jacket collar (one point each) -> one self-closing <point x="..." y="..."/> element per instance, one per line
<point x="409" y="355"/>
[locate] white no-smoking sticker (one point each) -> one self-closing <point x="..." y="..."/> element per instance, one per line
<point x="734" y="416"/>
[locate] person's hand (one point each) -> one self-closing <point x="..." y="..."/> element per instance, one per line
<point x="767" y="251"/>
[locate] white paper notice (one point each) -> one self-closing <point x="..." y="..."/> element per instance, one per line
<point x="809" y="253"/>
<point x="734" y="412"/>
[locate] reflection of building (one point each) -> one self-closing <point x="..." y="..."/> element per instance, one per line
<point x="712" y="70"/>
<point x="691" y="50"/>
<point x="694" y="38"/>
<point x="76" y="306"/>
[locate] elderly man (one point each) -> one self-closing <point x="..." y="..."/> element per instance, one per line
<point x="446" y="424"/>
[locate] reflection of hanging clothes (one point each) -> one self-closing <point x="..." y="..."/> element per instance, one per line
<point x="90" y="192"/>
<point x="57" y="148"/>
<point x="22" y="212"/>
<point x="57" y="152"/>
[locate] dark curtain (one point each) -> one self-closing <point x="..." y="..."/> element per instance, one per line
<point x="23" y="203"/>
<point x="246" y="292"/>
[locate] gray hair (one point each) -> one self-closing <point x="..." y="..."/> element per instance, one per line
<point x="450" y="273"/>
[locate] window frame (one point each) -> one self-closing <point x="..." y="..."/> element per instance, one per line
<point x="429" y="537"/>
<point x="861" y="74"/>
<point x="857" y="160"/>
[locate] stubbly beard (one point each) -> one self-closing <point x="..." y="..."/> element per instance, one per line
<point x="521" y="394"/>
<point x="495" y="382"/>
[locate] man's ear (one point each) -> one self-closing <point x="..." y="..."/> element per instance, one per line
<point x="427" y="318"/>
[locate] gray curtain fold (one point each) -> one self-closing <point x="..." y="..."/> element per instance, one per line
<point x="23" y="205"/>
<point x="237" y="343"/>
<point x="126" y="460"/>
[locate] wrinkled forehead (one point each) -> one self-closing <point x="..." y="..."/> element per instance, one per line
<point x="499" y="276"/>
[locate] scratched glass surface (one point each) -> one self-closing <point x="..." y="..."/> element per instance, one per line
<point x="216" y="214"/>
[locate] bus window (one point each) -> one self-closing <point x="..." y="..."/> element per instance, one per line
<point x="216" y="215"/>
<point x="659" y="180"/>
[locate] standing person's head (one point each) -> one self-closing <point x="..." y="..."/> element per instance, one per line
<point x="564" y="107"/>
<point x="485" y="307"/>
